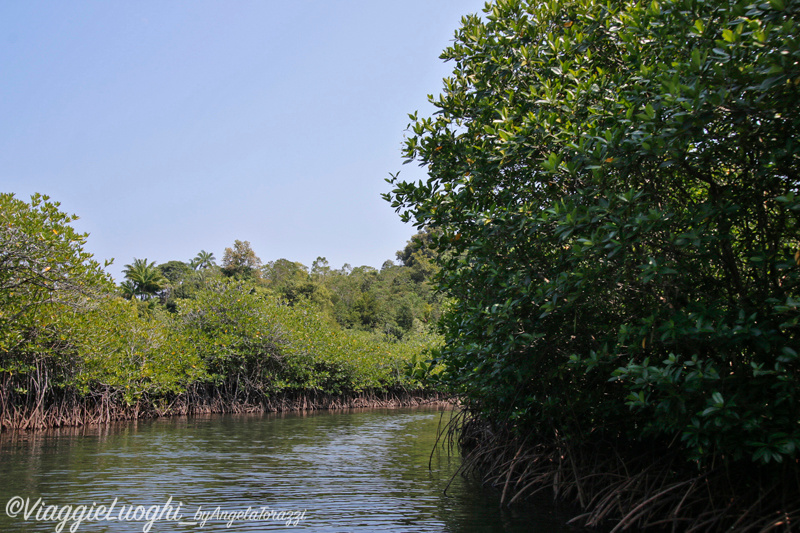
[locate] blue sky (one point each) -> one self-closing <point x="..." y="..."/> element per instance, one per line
<point x="175" y="126"/>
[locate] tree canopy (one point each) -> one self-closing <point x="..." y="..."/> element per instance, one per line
<point x="44" y="270"/>
<point x="614" y="187"/>
<point x="73" y="351"/>
<point x="143" y="279"/>
<point x="240" y="261"/>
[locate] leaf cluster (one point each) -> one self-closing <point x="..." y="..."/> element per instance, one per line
<point x="614" y="189"/>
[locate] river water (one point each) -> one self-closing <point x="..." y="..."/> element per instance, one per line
<point x="347" y="471"/>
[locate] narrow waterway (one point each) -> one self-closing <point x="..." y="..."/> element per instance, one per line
<point x="354" y="471"/>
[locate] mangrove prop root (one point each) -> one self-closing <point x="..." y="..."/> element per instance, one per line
<point x="620" y="487"/>
<point x="65" y="409"/>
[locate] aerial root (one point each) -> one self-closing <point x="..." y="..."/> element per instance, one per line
<point x="625" y="488"/>
<point x="66" y="409"/>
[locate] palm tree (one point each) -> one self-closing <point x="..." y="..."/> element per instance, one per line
<point x="145" y="278"/>
<point x="203" y="260"/>
<point x="128" y="289"/>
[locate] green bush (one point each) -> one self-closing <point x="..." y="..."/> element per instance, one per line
<point x="251" y="337"/>
<point x="131" y="353"/>
<point x="65" y="334"/>
<point x="46" y="278"/>
<point x="616" y="188"/>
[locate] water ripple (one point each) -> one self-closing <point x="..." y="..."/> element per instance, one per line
<point x="349" y="471"/>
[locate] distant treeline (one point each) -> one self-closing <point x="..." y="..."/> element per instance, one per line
<point x="193" y="336"/>
<point x="396" y="301"/>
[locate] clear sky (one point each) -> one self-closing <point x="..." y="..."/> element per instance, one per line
<point x="175" y="126"/>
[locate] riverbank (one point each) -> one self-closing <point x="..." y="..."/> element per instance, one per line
<point x="625" y="485"/>
<point x="102" y="408"/>
<point x="182" y="338"/>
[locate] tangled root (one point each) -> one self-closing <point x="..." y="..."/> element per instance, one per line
<point x="622" y="487"/>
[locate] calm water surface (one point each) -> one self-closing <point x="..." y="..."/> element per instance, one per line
<point x="359" y="471"/>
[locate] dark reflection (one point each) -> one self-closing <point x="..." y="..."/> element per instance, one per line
<point x="359" y="470"/>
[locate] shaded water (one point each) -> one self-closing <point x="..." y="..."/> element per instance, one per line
<point x="328" y="471"/>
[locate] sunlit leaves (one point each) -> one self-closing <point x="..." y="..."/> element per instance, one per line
<point x="44" y="273"/>
<point x="143" y="279"/>
<point x="254" y="338"/>
<point x="621" y="178"/>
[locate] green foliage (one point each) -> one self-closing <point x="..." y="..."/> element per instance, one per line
<point x="240" y="262"/>
<point x="420" y="254"/>
<point x="203" y="260"/>
<point x="175" y="271"/>
<point x="133" y="354"/>
<point x="45" y="275"/>
<point x="236" y="333"/>
<point x="614" y="188"/>
<point x="292" y="281"/>
<point x="422" y="368"/>
<point x="396" y="301"/>
<point x="280" y="328"/>
<point x="252" y="338"/>
<point x="144" y="280"/>
<point x="65" y="334"/>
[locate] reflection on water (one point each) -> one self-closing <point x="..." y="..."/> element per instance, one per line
<point x="361" y="471"/>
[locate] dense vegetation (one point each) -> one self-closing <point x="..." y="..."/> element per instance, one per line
<point x="615" y="189"/>
<point x="182" y="337"/>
